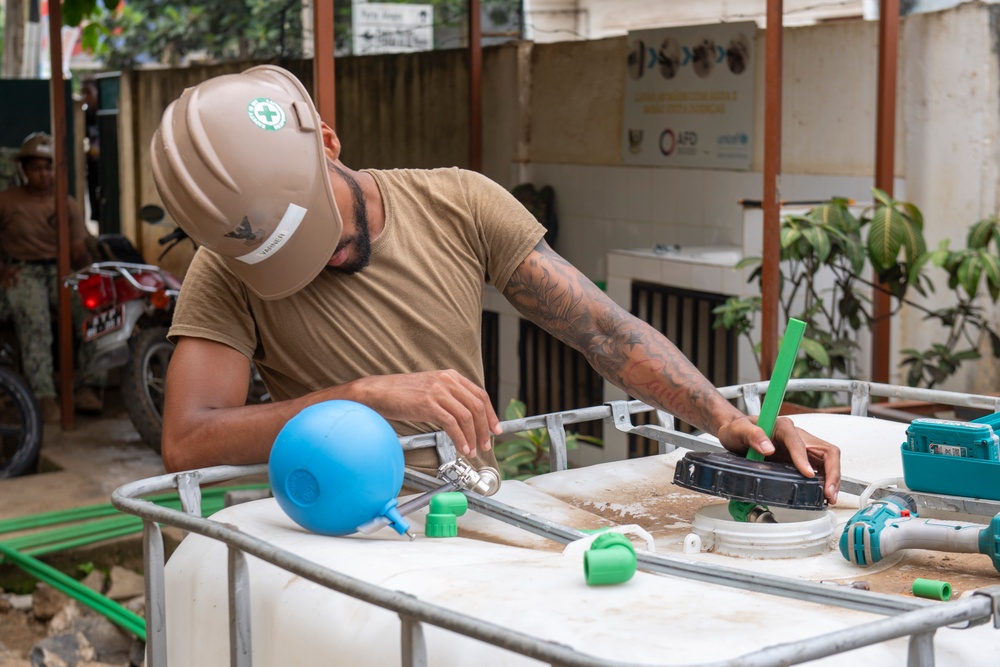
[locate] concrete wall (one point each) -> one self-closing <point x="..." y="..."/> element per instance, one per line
<point x="950" y="103"/>
<point x="946" y="145"/>
<point x="559" y="20"/>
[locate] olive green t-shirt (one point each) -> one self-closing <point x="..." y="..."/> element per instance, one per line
<point x="416" y="307"/>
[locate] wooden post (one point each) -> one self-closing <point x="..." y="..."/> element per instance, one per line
<point x="770" y="272"/>
<point x="885" y="157"/>
<point x="475" y="87"/>
<point x="61" y="166"/>
<point x="324" y="83"/>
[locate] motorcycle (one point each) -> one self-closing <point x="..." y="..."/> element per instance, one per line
<point x="20" y="420"/>
<point x="132" y="304"/>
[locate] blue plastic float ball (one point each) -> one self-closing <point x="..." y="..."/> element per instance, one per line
<point x="334" y="466"/>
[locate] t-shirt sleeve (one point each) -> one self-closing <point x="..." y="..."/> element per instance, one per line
<point x="508" y="230"/>
<point x="213" y="304"/>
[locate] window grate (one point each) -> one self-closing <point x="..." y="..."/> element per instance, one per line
<point x="555" y="377"/>
<point x="685" y="317"/>
<point x="491" y="356"/>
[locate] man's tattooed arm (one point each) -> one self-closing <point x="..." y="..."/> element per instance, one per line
<point x="553" y="294"/>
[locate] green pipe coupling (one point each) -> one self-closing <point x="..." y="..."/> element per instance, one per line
<point x="931" y="589"/>
<point x="444" y="508"/>
<point x="610" y="560"/>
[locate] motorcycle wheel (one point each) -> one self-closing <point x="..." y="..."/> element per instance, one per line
<point x="20" y="425"/>
<point x="144" y="382"/>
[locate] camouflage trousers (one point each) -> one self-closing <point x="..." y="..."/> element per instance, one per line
<point x="30" y="298"/>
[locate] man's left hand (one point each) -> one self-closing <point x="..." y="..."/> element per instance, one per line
<point x="790" y="444"/>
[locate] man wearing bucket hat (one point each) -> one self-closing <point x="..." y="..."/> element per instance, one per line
<point x="29" y="243"/>
<point x="367" y="285"/>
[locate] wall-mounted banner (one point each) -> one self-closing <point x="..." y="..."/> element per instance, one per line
<point x="689" y="96"/>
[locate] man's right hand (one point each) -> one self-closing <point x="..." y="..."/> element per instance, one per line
<point x="206" y="421"/>
<point x="446" y="399"/>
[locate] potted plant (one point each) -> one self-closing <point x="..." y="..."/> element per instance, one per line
<point x="526" y="454"/>
<point x="826" y="255"/>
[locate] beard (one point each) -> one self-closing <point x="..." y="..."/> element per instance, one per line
<point x="361" y="239"/>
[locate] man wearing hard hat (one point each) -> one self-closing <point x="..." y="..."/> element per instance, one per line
<point x="29" y="239"/>
<point x="367" y="286"/>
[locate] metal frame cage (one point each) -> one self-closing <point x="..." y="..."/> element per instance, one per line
<point x="915" y="618"/>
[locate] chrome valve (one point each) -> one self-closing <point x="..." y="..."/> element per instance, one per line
<point x="485" y="481"/>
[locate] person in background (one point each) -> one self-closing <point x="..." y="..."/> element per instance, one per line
<point x="29" y="274"/>
<point x="367" y="285"/>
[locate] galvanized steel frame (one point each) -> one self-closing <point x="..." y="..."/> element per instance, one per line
<point x="915" y="618"/>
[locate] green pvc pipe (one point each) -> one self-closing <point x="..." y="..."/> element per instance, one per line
<point x="41" y="550"/>
<point x="51" y="518"/>
<point x="775" y="395"/>
<point x="71" y="532"/>
<point x="80" y="531"/>
<point x="116" y="613"/>
<point x="20" y="550"/>
<point x="932" y="589"/>
<point x="609" y="560"/>
<point x="105" y="509"/>
<point x="783" y="366"/>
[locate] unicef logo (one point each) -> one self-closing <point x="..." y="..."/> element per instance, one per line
<point x="733" y="138"/>
<point x="266" y="114"/>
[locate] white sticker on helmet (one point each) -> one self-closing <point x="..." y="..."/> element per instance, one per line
<point x="286" y="227"/>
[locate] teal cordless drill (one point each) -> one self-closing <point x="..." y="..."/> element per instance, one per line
<point x="891" y="523"/>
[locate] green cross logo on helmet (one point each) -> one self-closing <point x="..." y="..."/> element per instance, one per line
<point x="266" y="114"/>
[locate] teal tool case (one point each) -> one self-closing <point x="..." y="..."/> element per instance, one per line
<point x="955" y="458"/>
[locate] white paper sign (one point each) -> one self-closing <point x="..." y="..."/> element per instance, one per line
<point x="391" y="28"/>
<point x="689" y="96"/>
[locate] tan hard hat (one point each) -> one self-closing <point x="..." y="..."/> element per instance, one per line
<point x="239" y="163"/>
<point x="36" y="144"/>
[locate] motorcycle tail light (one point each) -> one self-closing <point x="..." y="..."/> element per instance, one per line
<point x="160" y="300"/>
<point x="96" y="292"/>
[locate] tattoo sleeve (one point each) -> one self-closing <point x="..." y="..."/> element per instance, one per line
<point x="553" y="294"/>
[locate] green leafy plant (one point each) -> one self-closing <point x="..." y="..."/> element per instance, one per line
<point x="965" y="322"/>
<point x="827" y="256"/>
<point x="526" y="454"/>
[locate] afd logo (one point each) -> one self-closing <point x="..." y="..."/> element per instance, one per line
<point x="671" y="141"/>
<point x="733" y="139"/>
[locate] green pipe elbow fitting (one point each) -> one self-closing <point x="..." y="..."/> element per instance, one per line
<point x="610" y="560"/>
<point x="444" y="507"/>
<point x="932" y="589"/>
<point x="452" y="502"/>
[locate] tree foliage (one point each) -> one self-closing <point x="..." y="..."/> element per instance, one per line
<point x="141" y="31"/>
<point x="125" y="34"/>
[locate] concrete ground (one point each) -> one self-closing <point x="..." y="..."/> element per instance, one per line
<point x="81" y="466"/>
